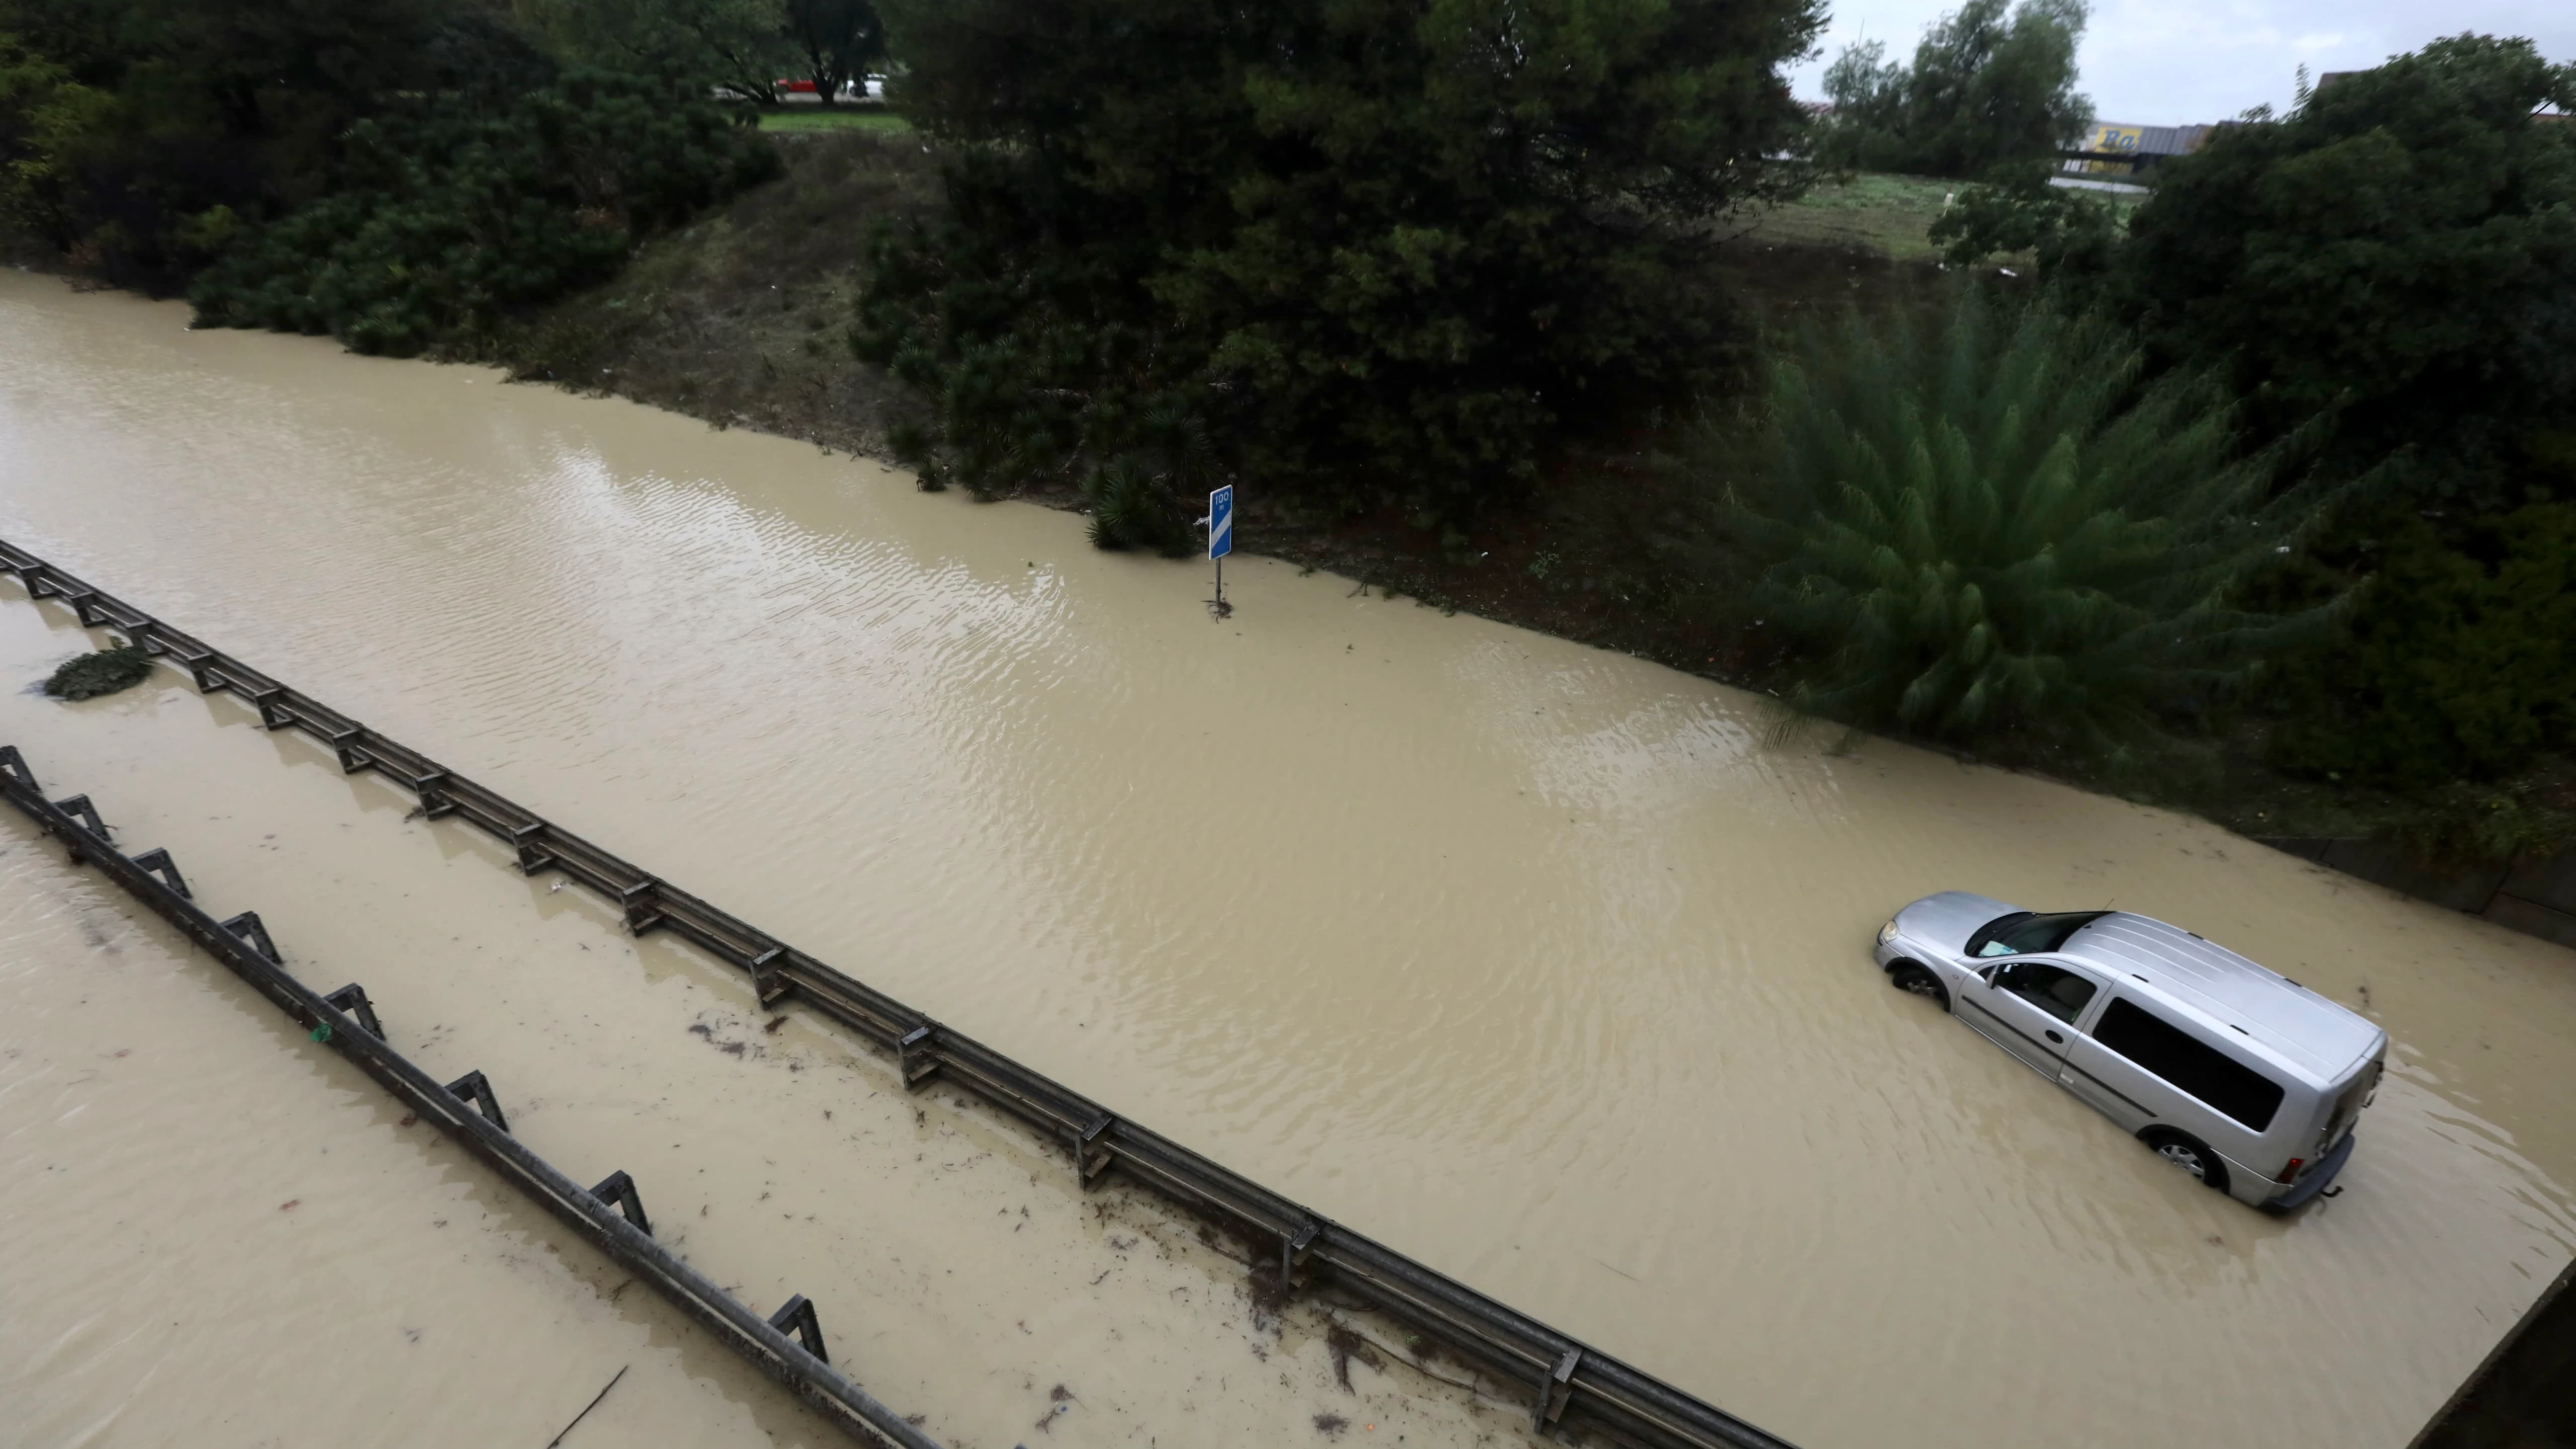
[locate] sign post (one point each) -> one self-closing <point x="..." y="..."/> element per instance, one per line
<point x="1220" y="543"/>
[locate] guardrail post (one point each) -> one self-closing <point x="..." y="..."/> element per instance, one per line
<point x="247" y="926"/>
<point x="767" y="986"/>
<point x="643" y="905"/>
<point x="352" y="999"/>
<point x="1091" y="1157"/>
<point x="158" y="862"/>
<point x="1293" y="1247"/>
<point x="85" y="608"/>
<point x="530" y="841"/>
<point x="796" y="1319"/>
<point x="15" y="766"/>
<point x="918" y="1055"/>
<point x="34" y="576"/>
<point x="200" y="665"/>
<point x="618" y="1191"/>
<point x="1555" y="1389"/>
<point x="271" y="713"/>
<point x="432" y="790"/>
<point x="472" y="1087"/>
<point x="79" y="805"/>
<point x="344" y="745"/>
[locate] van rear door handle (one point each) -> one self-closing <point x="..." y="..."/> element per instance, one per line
<point x="2061" y="1041"/>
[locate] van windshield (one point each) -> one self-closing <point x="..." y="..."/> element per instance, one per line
<point x="2023" y="931"/>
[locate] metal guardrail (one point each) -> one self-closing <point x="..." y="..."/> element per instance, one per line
<point x="1571" y="1386"/>
<point x="788" y="1345"/>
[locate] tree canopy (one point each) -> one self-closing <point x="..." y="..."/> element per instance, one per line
<point x="1396" y="247"/>
<point x="2401" y="248"/>
<point x="742" y="47"/>
<point x="1985" y="89"/>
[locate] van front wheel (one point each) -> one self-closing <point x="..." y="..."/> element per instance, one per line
<point x="1909" y="976"/>
<point x="2191" y="1156"/>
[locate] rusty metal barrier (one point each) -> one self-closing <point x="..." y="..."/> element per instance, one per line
<point x="788" y="1346"/>
<point x="1570" y="1386"/>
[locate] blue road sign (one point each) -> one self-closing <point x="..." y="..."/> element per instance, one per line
<point x="1221" y="522"/>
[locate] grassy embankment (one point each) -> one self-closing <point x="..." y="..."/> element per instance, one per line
<point x="806" y="120"/>
<point x="742" y="319"/>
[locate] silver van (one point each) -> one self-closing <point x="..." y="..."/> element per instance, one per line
<point x="2244" y="1078"/>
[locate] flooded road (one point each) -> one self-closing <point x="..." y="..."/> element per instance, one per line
<point x="1521" y="957"/>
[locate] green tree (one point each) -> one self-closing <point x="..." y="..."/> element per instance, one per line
<point x="2069" y="232"/>
<point x="1391" y="250"/>
<point x="838" y="42"/>
<point x="451" y="219"/>
<point x="736" y="46"/>
<point x="1985" y="90"/>
<point x="2401" y="249"/>
<point x="46" y="117"/>
<point x="2461" y="661"/>
<point x="1993" y="528"/>
<point x="2398" y="254"/>
<point x="200" y="115"/>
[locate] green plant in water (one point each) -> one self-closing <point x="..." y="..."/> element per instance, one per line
<point x="1142" y="499"/>
<point x="1995" y="529"/>
<point x="105" y="672"/>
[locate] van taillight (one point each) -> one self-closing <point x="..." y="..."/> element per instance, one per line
<point x="2291" y="1172"/>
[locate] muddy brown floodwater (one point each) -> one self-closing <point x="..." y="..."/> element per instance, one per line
<point x="1525" y="958"/>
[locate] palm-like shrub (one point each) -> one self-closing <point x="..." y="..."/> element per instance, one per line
<point x="1994" y="528"/>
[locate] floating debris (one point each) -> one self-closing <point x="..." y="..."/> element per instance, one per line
<point x="105" y="672"/>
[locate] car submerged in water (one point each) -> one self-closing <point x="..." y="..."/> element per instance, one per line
<point x="2238" y="1075"/>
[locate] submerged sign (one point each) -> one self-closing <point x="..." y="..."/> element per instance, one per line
<point x="1221" y="522"/>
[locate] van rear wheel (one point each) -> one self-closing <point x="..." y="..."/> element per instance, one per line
<point x="2192" y="1156"/>
<point x="1918" y="979"/>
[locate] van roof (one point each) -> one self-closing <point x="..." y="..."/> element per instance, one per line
<point x="2305" y="1031"/>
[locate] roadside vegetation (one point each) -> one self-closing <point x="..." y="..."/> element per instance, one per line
<point x="2256" y="496"/>
<point x="1995" y="522"/>
<point x="838" y="118"/>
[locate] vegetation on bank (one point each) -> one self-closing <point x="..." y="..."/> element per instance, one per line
<point x="1358" y="245"/>
<point x="452" y="216"/>
<point x="2259" y="497"/>
<point x="1996" y="522"/>
<point x="805" y="121"/>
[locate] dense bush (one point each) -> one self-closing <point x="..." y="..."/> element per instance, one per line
<point x="2461" y="663"/>
<point x="1990" y="528"/>
<point x="138" y="134"/>
<point x="1389" y="251"/>
<point x="1984" y="90"/>
<point x="2398" y="255"/>
<point x="2402" y="248"/>
<point x="448" y="219"/>
<point x="2070" y="233"/>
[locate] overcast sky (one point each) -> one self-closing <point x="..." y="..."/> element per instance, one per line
<point x="2175" y="62"/>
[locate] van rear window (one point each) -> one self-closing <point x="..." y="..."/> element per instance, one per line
<point x="2189" y="1063"/>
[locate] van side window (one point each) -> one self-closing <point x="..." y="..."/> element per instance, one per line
<point x="2053" y="989"/>
<point x="2189" y="1063"/>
